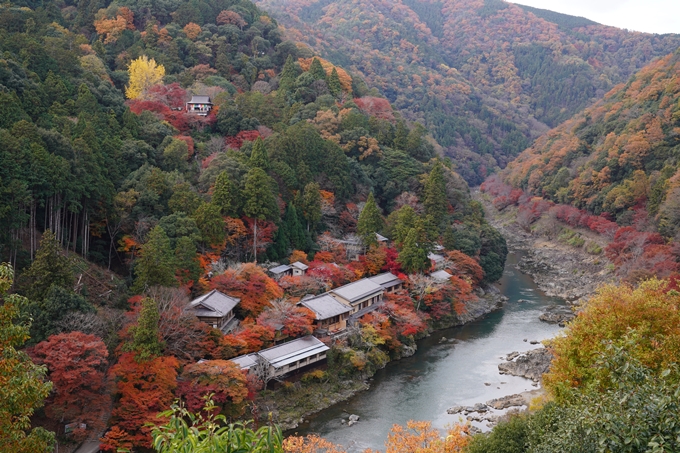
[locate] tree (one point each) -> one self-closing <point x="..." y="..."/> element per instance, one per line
<point x="145" y="341"/>
<point x="226" y="195"/>
<point x="186" y="262"/>
<point x="47" y="313"/>
<point x="22" y="389"/>
<point x="412" y="257"/>
<point x="192" y="30"/>
<point x="204" y="432"/>
<point x="259" y="157"/>
<point x="260" y="202"/>
<point x="311" y="204"/>
<point x="401" y="222"/>
<point x="297" y="321"/>
<point x="289" y="73"/>
<point x="156" y="263"/>
<point x="434" y="194"/>
<point x="50" y="267"/>
<point x="75" y="363"/>
<point x="316" y="70"/>
<point x="222" y="380"/>
<point x="334" y="84"/>
<point x="209" y="220"/>
<point x="143" y="73"/>
<point x="370" y="221"/>
<point x="227" y="17"/>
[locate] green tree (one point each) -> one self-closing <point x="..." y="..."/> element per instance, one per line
<point x="145" y="340"/>
<point x="57" y="304"/>
<point x="298" y="238"/>
<point x="316" y="70"/>
<point x="412" y="257"/>
<point x="259" y="157"/>
<point x="260" y="202"/>
<point x="334" y="84"/>
<point x="50" y="267"/>
<point x="370" y="221"/>
<point x="188" y="268"/>
<point x="311" y="204"/>
<point x="209" y="220"/>
<point x="22" y="385"/>
<point x="434" y="194"/>
<point x="289" y="73"/>
<point x="155" y="265"/>
<point x="226" y="195"/>
<point x="400" y="222"/>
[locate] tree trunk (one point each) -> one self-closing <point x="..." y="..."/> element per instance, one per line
<point x="255" y="240"/>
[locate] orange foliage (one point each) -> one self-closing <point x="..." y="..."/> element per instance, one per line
<point x="375" y="259"/>
<point x="249" y="338"/>
<point x="298" y="255"/>
<point x="310" y="444"/>
<point x="251" y="284"/>
<point x="422" y="438"/>
<point x="324" y="257"/>
<point x="464" y="266"/>
<point x="231" y="17"/>
<point x="192" y="30"/>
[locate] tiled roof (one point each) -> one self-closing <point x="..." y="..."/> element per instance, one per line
<point x="299" y="265"/>
<point x="245" y="361"/>
<point x="381" y="238"/>
<point x="213" y="304"/>
<point x="293" y="351"/>
<point x="386" y="280"/>
<point x="441" y="275"/>
<point x="280" y="269"/>
<point x="434" y="257"/>
<point x="199" y="100"/>
<point x="357" y="290"/>
<point x="324" y="306"/>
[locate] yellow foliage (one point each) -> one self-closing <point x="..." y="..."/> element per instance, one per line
<point x="345" y="78"/>
<point x="144" y="73"/>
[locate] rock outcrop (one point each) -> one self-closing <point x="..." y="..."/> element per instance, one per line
<point x="532" y="364"/>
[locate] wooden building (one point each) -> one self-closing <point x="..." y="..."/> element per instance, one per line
<point x="359" y="295"/>
<point x="330" y="314"/>
<point x="199" y="105"/>
<point x="388" y="281"/>
<point x="441" y="276"/>
<point x="214" y="308"/>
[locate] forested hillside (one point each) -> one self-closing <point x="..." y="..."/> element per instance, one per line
<point x="486" y="76"/>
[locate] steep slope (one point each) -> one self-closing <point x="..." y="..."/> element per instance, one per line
<point x="617" y="156"/>
<point x="484" y="75"/>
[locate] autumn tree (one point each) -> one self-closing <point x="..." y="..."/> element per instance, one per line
<point x="297" y="321"/>
<point x="192" y="30"/>
<point x="22" y="388"/>
<point x="75" y="363"/>
<point x="143" y="73"/>
<point x="155" y="265"/>
<point x="370" y="221"/>
<point x="260" y="202"/>
<point x="222" y="380"/>
<point x="228" y="17"/>
<point x="251" y="284"/>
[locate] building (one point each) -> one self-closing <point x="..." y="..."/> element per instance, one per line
<point x="441" y="276"/>
<point x="359" y="295"/>
<point x="287" y="357"/>
<point x="438" y="261"/>
<point x="199" y="105"/>
<point x="281" y="271"/>
<point x="299" y="268"/>
<point x="214" y="308"/>
<point x="382" y="239"/>
<point x="330" y="314"/>
<point x="388" y="281"/>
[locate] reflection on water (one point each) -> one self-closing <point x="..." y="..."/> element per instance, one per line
<point x="444" y="373"/>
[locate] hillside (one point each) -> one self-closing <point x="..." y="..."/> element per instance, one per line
<point x="486" y="76"/>
<point x="618" y="155"/>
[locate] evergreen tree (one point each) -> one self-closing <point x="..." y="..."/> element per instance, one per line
<point x="334" y="84"/>
<point x="210" y="222"/>
<point x="57" y="304"/>
<point x="434" y="195"/>
<point x="316" y="70"/>
<point x="311" y="204"/>
<point x="23" y="387"/>
<point x="401" y="136"/>
<point x="186" y="263"/>
<point x="145" y="341"/>
<point x="289" y="73"/>
<point x="259" y="200"/>
<point x="370" y="221"/>
<point x="226" y="195"/>
<point x="259" y="157"/>
<point x="401" y="222"/>
<point x="156" y="264"/>
<point x="413" y="258"/>
<point x="298" y="238"/>
<point x="50" y="267"/>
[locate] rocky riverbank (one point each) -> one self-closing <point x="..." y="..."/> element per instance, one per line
<point x="559" y="269"/>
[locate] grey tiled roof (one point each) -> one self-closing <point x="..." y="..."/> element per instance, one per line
<point x="441" y="275"/>
<point x="245" y="361"/>
<point x="434" y="257"/>
<point x="293" y="351"/>
<point x="324" y="306"/>
<point x="199" y="100"/>
<point x="213" y="304"/>
<point x="386" y="280"/>
<point x="357" y="290"/>
<point x="280" y="269"/>
<point x="299" y="265"/>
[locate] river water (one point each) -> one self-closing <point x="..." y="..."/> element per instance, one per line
<point x="444" y="373"/>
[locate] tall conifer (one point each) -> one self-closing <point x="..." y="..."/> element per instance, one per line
<point x="434" y="194"/>
<point x="370" y="221"/>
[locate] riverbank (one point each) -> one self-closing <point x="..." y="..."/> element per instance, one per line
<point x="560" y="269"/>
<point x="293" y="402"/>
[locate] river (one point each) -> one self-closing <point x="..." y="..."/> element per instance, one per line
<point x="444" y="373"/>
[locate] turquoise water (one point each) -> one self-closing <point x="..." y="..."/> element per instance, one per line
<point x="444" y="374"/>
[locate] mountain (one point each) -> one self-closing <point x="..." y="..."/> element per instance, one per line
<point x="618" y="156"/>
<point x="485" y="76"/>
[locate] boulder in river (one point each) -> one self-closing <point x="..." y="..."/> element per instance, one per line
<point x="512" y="356"/>
<point x="557" y="314"/>
<point x="506" y="402"/>
<point x="532" y="365"/>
